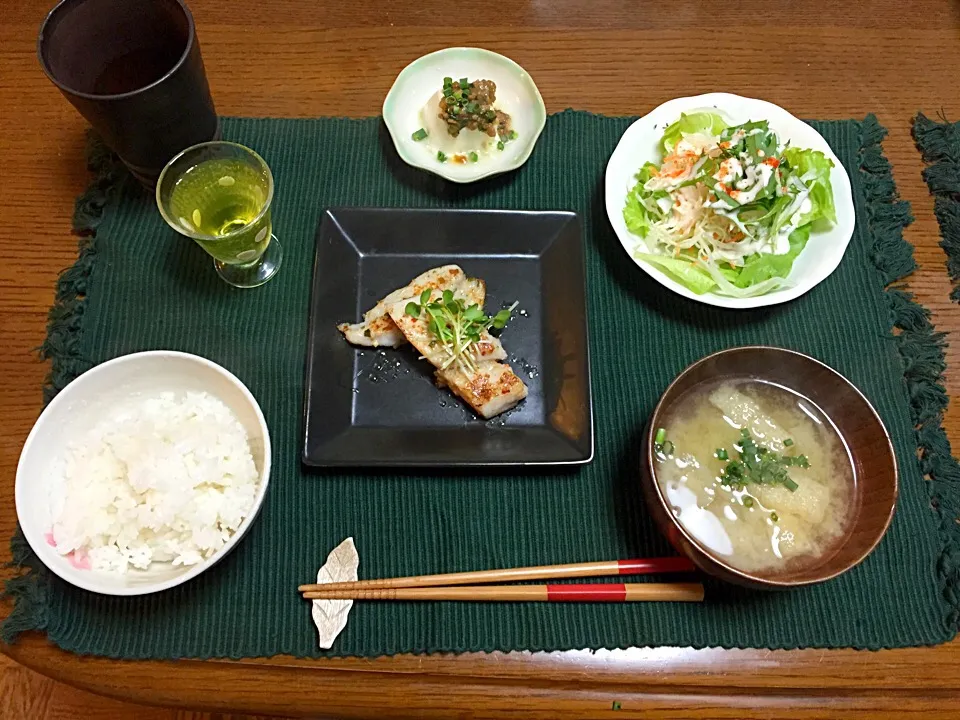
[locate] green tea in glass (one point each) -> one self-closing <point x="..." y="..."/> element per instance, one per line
<point x="219" y="194"/>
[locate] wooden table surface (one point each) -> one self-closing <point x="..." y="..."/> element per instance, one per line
<point x="292" y="58"/>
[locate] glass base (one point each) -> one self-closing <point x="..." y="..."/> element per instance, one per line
<point x="256" y="273"/>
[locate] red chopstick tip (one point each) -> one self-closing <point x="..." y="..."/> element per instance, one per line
<point x="656" y="565"/>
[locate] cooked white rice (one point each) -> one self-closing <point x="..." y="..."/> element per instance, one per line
<point x="162" y="479"/>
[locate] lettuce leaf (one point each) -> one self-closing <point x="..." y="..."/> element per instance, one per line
<point x="704" y="122"/>
<point x="646" y="172"/>
<point x="635" y="215"/>
<point x="693" y="278"/>
<point x="814" y="162"/>
<point x="758" y="268"/>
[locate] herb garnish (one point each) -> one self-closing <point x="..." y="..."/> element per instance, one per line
<point x="455" y="325"/>
<point x="661" y="445"/>
<point x="758" y="464"/>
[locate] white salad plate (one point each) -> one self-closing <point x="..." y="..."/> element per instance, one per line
<point x="77" y="407"/>
<point x="639" y="145"/>
<point x="517" y="95"/>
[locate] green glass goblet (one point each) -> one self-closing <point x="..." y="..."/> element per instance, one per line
<point x="219" y="194"/>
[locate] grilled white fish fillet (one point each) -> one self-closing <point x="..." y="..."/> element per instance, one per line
<point x="377" y="328"/>
<point x="490" y="389"/>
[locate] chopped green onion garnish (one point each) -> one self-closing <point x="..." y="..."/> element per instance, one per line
<point x="513" y="135"/>
<point x="464" y="83"/>
<point x="448" y="81"/>
<point x="419" y="135"/>
<point x="660" y="436"/>
<point x="441" y="156"/>
<point x="758" y="464"/>
<point x="788" y="442"/>
<point x="748" y="501"/>
<point x="474" y="157"/>
<point x="774" y="517"/>
<point x="500" y="145"/>
<point x="722" y="454"/>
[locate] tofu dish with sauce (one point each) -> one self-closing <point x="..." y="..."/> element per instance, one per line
<point x="440" y="313"/>
<point x="462" y="123"/>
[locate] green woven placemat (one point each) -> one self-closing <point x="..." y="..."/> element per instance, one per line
<point x="939" y="143"/>
<point x="144" y="287"/>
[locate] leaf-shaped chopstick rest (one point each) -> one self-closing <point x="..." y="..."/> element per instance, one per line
<point x="330" y="616"/>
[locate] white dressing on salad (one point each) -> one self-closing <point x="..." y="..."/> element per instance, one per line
<point x="757" y="178"/>
<point x="730" y="170"/>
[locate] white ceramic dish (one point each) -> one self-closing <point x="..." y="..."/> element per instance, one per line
<point x="638" y="145"/>
<point x="84" y="400"/>
<point x="517" y="95"/>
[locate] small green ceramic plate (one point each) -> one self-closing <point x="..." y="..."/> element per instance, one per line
<point x="409" y="105"/>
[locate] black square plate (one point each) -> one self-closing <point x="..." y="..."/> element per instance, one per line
<point x="368" y="407"/>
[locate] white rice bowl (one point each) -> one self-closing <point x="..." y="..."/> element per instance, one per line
<point x="143" y="473"/>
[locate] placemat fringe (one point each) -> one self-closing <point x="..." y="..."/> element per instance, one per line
<point x="922" y="351"/>
<point x="939" y="143"/>
<point x="62" y="347"/>
<point x="27" y="592"/>
<point x="64" y="321"/>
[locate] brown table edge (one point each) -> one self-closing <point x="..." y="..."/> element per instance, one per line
<point x="926" y="678"/>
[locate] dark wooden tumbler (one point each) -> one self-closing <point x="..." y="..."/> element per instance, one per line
<point x="134" y="71"/>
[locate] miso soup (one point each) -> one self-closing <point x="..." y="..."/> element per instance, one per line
<point x="757" y="474"/>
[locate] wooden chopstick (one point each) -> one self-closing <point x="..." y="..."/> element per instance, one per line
<point x="540" y="572"/>
<point x="586" y="592"/>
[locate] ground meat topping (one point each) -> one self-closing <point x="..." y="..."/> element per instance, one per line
<point x="471" y="105"/>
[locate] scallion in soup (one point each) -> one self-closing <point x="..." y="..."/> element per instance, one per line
<point x="756" y="473"/>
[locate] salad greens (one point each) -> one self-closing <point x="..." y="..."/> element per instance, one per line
<point x="729" y="208"/>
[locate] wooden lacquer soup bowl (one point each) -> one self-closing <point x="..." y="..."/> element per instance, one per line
<point x="874" y="465"/>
